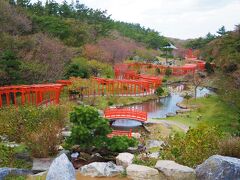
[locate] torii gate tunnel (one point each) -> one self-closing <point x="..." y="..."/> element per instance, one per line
<point x="30" y="94"/>
<point x="128" y="71"/>
<point x="115" y="113"/>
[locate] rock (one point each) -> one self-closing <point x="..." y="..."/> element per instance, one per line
<point x="154" y="155"/>
<point x="41" y="164"/>
<point x="61" y="168"/>
<point x="136" y="135"/>
<point x="181" y="106"/>
<point x="124" y="159"/>
<point x="23" y="156"/>
<point x="181" y="111"/>
<point x="66" y="133"/>
<point x="64" y="151"/>
<point x="170" y="114"/>
<point x="74" y="155"/>
<point x="96" y="158"/>
<point x="101" y="169"/>
<point x="13" y="171"/>
<point x="85" y="156"/>
<point x="41" y="175"/>
<point x="60" y="148"/>
<point x="132" y="150"/>
<point x="173" y="171"/>
<point x="138" y="172"/>
<point x="220" y="168"/>
<point x="154" y="143"/>
<point x="76" y="148"/>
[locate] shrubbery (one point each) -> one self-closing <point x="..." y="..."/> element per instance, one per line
<point x="159" y="91"/>
<point x="194" y="147"/>
<point x="81" y="67"/>
<point x="168" y="71"/>
<point x="230" y="147"/>
<point x="91" y="130"/>
<point x="37" y="127"/>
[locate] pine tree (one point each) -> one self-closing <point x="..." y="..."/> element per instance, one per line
<point x="222" y="31"/>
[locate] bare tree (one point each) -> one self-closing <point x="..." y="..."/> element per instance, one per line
<point x="197" y="81"/>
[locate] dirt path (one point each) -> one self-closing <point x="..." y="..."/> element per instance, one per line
<point x="168" y="123"/>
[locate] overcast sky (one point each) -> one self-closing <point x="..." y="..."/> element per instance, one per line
<point x="173" y="18"/>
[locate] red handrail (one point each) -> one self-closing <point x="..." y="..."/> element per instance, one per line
<point x="125" y="113"/>
<point x="120" y="133"/>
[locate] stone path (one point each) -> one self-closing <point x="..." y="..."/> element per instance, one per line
<point x="168" y="123"/>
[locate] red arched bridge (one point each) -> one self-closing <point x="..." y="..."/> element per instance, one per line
<point x="115" y="113"/>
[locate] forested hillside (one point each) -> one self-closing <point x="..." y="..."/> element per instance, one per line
<point x="223" y="49"/>
<point x="39" y="41"/>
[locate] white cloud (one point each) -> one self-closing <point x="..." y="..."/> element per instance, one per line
<point x="174" y="18"/>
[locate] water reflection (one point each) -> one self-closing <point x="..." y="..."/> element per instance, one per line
<point x="127" y="124"/>
<point x="160" y="107"/>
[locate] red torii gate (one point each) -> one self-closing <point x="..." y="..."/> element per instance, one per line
<point x="190" y="56"/>
<point x="30" y="94"/>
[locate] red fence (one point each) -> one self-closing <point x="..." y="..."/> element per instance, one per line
<point x="30" y="94"/>
<point x="121" y="72"/>
<point x="120" y="133"/>
<point x="125" y="114"/>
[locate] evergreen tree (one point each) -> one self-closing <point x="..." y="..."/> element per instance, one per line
<point x="9" y="68"/>
<point x="23" y="3"/>
<point x="12" y="2"/>
<point x="222" y="31"/>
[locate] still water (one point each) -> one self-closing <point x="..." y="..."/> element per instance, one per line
<point x="158" y="108"/>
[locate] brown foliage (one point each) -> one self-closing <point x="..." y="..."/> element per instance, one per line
<point x="13" y="20"/>
<point x="230" y="147"/>
<point x="112" y="50"/>
<point x="43" y="141"/>
<point x="49" y="56"/>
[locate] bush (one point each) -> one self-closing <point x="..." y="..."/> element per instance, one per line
<point x="37" y="127"/>
<point x="91" y="130"/>
<point x="8" y="159"/>
<point x="121" y="143"/>
<point x="145" y="161"/>
<point x="159" y="91"/>
<point x="193" y="148"/>
<point x="168" y="71"/>
<point x="230" y="147"/>
<point x="209" y="68"/>
<point x="78" y="68"/>
<point x="43" y="142"/>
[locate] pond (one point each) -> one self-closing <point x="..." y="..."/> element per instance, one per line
<point x="159" y="108"/>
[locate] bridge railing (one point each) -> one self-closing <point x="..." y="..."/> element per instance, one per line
<point x="120" y="133"/>
<point x="125" y="114"/>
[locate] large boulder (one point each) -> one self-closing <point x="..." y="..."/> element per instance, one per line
<point x="61" y="168"/>
<point x="124" y="159"/>
<point x="154" y="144"/>
<point x="101" y="169"/>
<point x="219" y="167"/>
<point x="138" y="172"/>
<point x="173" y="171"/>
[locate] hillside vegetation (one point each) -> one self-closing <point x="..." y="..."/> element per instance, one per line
<point x="223" y="50"/>
<point x="39" y="41"/>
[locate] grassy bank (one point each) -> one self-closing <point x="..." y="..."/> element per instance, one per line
<point x="211" y="111"/>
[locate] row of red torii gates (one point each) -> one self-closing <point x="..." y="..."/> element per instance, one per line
<point x="128" y="70"/>
<point x="35" y="94"/>
<point x="127" y="82"/>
